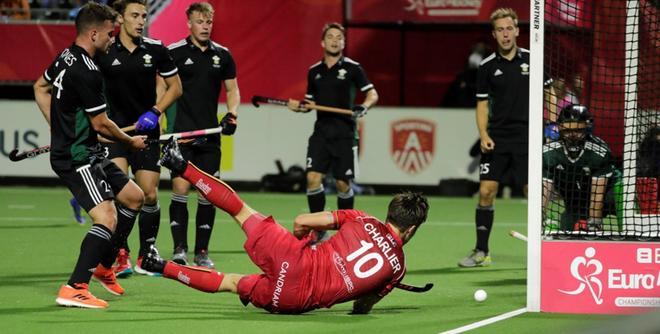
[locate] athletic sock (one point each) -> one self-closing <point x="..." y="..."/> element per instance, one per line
<point x="204" y="222"/>
<point x="214" y="190"/>
<point x="484" y="220"/>
<point x="202" y="279"/>
<point x="95" y="244"/>
<point x="125" y="222"/>
<point x="345" y="200"/>
<point x="316" y="199"/>
<point x="179" y="220"/>
<point x="149" y="223"/>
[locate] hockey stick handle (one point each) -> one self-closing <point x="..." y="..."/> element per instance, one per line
<point x="413" y="288"/>
<point x="190" y="134"/>
<point x="518" y="235"/>
<point x="256" y="99"/>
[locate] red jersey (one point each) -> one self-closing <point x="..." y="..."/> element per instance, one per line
<point x="365" y="256"/>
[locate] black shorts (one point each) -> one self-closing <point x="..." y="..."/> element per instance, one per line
<point x="95" y="183"/>
<point x="340" y="154"/>
<point x="146" y="159"/>
<point x="506" y="162"/>
<point x="205" y="156"/>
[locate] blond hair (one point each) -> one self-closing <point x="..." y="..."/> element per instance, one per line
<point x="501" y="13"/>
<point x="203" y="8"/>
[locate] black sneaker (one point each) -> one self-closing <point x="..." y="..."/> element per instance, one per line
<point x="152" y="262"/>
<point x="172" y="157"/>
<point x="202" y="259"/>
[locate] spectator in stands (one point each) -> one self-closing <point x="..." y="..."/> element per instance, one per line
<point x="462" y="92"/>
<point x="15" y="9"/>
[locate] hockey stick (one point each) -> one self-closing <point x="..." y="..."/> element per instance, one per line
<point x="189" y="134"/>
<point x="256" y="99"/>
<point x="15" y="156"/>
<point x="517" y="235"/>
<point x="413" y="288"/>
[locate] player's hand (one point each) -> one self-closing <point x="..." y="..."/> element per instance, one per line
<point x="298" y="106"/>
<point x="148" y="120"/>
<point x="359" y="111"/>
<point x="487" y="144"/>
<point x="138" y="142"/>
<point x="551" y="131"/>
<point x="228" y="124"/>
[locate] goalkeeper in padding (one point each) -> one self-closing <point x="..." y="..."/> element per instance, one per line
<point x="579" y="169"/>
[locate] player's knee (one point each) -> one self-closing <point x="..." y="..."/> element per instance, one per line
<point x="487" y="195"/>
<point x="151" y="197"/>
<point x="104" y="214"/>
<point x="313" y="180"/>
<point x="343" y="186"/>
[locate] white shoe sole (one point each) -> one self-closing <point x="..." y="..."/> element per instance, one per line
<point x="71" y="303"/>
<point x="141" y="271"/>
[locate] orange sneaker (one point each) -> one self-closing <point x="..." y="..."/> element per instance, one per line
<point x="123" y="267"/>
<point x="107" y="278"/>
<point x="81" y="297"/>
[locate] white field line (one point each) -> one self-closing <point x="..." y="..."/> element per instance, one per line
<point x="486" y="322"/>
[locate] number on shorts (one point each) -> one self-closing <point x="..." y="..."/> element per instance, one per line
<point x="363" y="259"/>
<point x="309" y="162"/>
<point x="58" y="83"/>
<point x="484" y="168"/>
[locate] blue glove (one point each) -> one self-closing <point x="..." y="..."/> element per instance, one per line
<point x="228" y="124"/>
<point x="359" y="110"/>
<point x="148" y="120"/>
<point x="551" y="131"/>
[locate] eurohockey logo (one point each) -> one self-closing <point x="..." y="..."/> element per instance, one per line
<point x="413" y="144"/>
<point x="585" y="270"/>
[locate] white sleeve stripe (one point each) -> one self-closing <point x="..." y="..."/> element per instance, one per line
<point x="367" y="87"/>
<point x="167" y="74"/>
<point x="547" y="180"/>
<point x="95" y="108"/>
<point x="46" y="75"/>
<point x="309" y="96"/>
<point x="482" y="95"/>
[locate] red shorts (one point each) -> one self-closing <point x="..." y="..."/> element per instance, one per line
<point x="285" y="285"/>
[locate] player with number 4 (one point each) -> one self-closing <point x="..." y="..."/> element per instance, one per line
<point x="363" y="261"/>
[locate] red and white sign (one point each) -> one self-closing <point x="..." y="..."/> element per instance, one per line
<point x="413" y="144"/>
<point x="599" y="277"/>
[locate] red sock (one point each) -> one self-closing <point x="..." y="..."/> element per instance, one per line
<point x="202" y="279"/>
<point x="214" y="190"/>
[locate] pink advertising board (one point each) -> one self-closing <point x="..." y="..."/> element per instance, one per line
<point x="600" y="277"/>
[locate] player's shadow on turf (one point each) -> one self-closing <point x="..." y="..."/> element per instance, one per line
<point x="237" y="251"/>
<point x="30" y="310"/>
<point x="29" y="279"/>
<point x="25" y="226"/>
<point x="502" y="282"/>
<point x="457" y="270"/>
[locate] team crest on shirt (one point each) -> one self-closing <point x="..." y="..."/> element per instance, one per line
<point x="524" y="69"/>
<point x="147" y="60"/>
<point x="216" y="61"/>
<point x="342" y="74"/>
<point x="413" y="144"/>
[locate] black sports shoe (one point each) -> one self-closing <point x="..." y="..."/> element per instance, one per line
<point x="172" y="157"/>
<point x="152" y="262"/>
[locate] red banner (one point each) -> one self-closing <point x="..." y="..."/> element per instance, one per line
<point x="600" y="277"/>
<point x="434" y="11"/>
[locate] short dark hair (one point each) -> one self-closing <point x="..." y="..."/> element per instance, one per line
<point x="332" y="25"/>
<point x="93" y="14"/>
<point x="407" y="209"/>
<point x="120" y="6"/>
<point x="203" y="7"/>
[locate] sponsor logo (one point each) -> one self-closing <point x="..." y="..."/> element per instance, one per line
<point x="498" y="73"/>
<point x="318" y="76"/>
<point x="342" y="74"/>
<point x="444" y="7"/>
<point x="279" y="284"/>
<point x="174" y="223"/>
<point x="147" y="60"/>
<point x="203" y="187"/>
<point x="205" y="227"/>
<point x="413" y="144"/>
<point x="188" y="62"/>
<point x="349" y="172"/>
<point x="116" y="62"/>
<point x="585" y="270"/>
<point x="524" y="69"/>
<point x="183" y="278"/>
<point x="340" y="265"/>
<point x="216" y="61"/>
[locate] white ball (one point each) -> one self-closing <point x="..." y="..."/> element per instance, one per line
<point x="480" y="295"/>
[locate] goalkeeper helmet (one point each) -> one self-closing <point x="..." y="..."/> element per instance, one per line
<point x="575" y="124"/>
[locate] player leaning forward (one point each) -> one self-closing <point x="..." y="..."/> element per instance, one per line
<point x="70" y="96"/>
<point x="363" y="261"/>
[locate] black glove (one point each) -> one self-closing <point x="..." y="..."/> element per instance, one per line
<point x="228" y="124"/>
<point x="359" y="110"/>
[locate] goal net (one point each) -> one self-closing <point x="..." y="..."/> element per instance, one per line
<point x="601" y="164"/>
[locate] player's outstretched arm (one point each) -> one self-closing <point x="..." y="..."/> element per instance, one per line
<point x="109" y="129"/>
<point x="365" y="304"/>
<point x="318" y="221"/>
<point x="42" y="96"/>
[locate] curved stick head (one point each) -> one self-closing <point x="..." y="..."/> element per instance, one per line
<point x="255" y="101"/>
<point x="13" y="155"/>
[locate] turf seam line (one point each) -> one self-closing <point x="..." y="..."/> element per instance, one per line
<point x="486" y="322"/>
